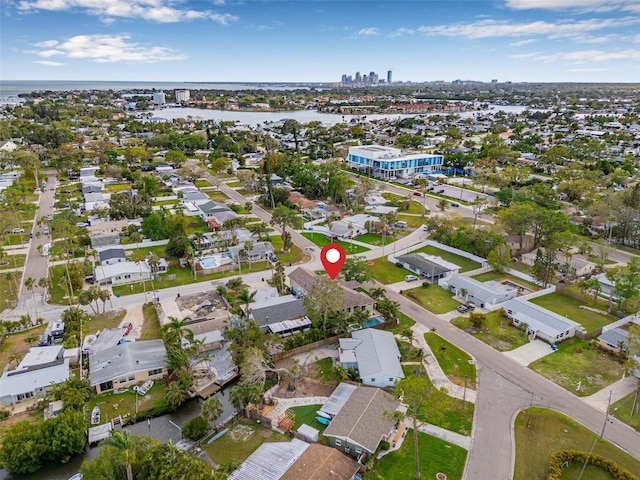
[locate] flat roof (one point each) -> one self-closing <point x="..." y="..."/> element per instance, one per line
<point x="338" y="398"/>
<point x="40" y="356"/>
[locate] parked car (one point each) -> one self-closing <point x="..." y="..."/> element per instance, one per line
<point x="82" y="224"/>
<point x="410" y="278"/>
<point x="18" y="230"/>
<point x="400" y="224"/>
<point x="417" y="194"/>
<point x="466" y="308"/>
<point x="128" y="328"/>
<point x="440" y="191"/>
<point x="454" y="204"/>
<point x="45" y="340"/>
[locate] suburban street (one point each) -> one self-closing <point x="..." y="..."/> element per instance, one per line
<point x="505" y="386"/>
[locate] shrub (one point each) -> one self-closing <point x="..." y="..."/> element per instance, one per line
<point x="384" y="445"/>
<point x="195" y="428"/>
<point x="574" y="456"/>
<point x="399" y="265"/>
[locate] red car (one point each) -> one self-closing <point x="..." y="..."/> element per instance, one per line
<point x="417" y="194"/>
<point x="128" y="327"/>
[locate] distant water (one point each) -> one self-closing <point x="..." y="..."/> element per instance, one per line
<point x="16" y="87"/>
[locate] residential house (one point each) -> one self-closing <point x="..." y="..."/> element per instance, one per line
<point x="257" y="251"/>
<point x="353" y="226"/>
<point x="365" y="419"/>
<point x="127" y="364"/>
<point x="607" y="286"/>
<point x="392" y="163"/>
<point x="96" y="201"/>
<point x="295" y="460"/>
<point x="540" y="322"/>
<point x="577" y="265"/>
<point x="104" y="239"/>
<point x="39" y="369"/>
<point x="302" y="280"/>
<point x="8" y="146"/>
<point x="374" y="354"/>
<point x="615" y="340"/>
<point x="429" y="267"/>
<point x="216" y="211"/>
<point x="111" y="255"/>
<point x="277" y="310"/>
<point x="481" y="294"/>
<point x="123" y="273"/>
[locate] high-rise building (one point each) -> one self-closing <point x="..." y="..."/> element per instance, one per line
<point x="358" y="77"/>
<point x="389" y="76"/>
<point x="159" y="98"/>
<point x="182" y="95"/>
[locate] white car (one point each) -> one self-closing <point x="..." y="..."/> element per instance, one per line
<point x="18" y="230"/>
<point x="410" y="278"/>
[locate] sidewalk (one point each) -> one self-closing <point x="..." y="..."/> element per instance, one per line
<point x="437" y="376"/>
<point x="620" y="389"/>
<point x="446" y="435"/>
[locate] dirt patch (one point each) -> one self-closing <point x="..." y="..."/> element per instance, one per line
<point x="309" y="386"/>
<point x="265" y="433"/>
<point x="241" y="433"/>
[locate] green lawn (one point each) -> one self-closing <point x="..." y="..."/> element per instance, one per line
<point x="110" y="319"/>
<point x="464" y="263"/>
<point x="578" y="361"/>
<point x="234" y="184"/>
<point x="58" y="294"/>
<point x="413" y="221"/>
<point x="434" y="298"/>
<point x="502" y="276"/>
<point x="454" y="362"/>
<point x="165" y="203"/>
<point x="9" y="290"/>
<point x="435" y="456"/>
<point x="141" y="253"/>
<point x="413" y="369"/>
<point x="375" y="239"/>
<point x="13" y="261"/>
<point x="497" y="332"/>
<point x="622" y="410"/>
<point x="403" y="323"/>
<point x="325" y="371"/>
<point x="151" y="326"/>
<point x="570" y="307"/>
<point x="549" y="431"/>
<point x="591" y="472"/>
<point x="227" y="448"/>
<point x="202" y="183"/>
<point x="322" y="240"/>
<point x="294" y="255"/>
<point x="307" y="414"/>
<point x="118" y="187"/>
<point x="387" y="272"/>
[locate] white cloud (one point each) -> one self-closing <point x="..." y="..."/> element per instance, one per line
<point x="369" y="31"/>
<point x="153" y="10"/>
<point x="49" y="63"/>
<point x="588" y="70"/>
<point x="402" y="31"/>
<point x="584" y="5"/>
<point x="106" y="49"/>
<point x="581" y="56"/>
<point x="495" y="28"/>
<point x="521" y="43"/>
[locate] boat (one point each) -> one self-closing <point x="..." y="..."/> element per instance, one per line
<point x="323" y="421"/>
<point x="95" y="416"/>
<point x="145" y="387"/>
<point x="320" y="413"/>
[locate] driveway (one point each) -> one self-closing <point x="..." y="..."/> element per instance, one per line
<point x="530" y="352"/>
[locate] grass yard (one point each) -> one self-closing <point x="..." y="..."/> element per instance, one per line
<point x="15" y="344"/>
<point x="217" y="196"/>
<point x="576" y="361"/>
<point x="413" y="221"/>
<point x="435" y="456"/>
<point x="325" y="371"/>
<point x="622" y="410"/>
<point x="165" y="203"/>
<point x="141" y="253"/>
<point x="13" y="261"/>
<point x="591" y="472"/>
<point x="321" y="240"/>
<point x="9" y="289"/>
<point x="571" y="308"/>
<point x="455" y="363"/>
<point x="387" y="272"/>
<point x="413" y="369"/>
<point x="307" y="414"/>
<point x="375" y="239"/>
<point x="550" y="431"/>
<point x="118" y="187"/>
<point x="434" y="298"/>
<point x="294" y="255"/>
<point x="151" y="325"/>
<point x="497" y="333"/>
<point x="98" y="323"/>
<point x="464" y="263"/>
<point x="502" y="276"/>
<point x="114" y="404"/>
<point x="234" y="184"/>
<point x="240" y="441"/>
<point x="58" y="295"/>
<point x="202" y="183"/>
<point x="403" y="323"/>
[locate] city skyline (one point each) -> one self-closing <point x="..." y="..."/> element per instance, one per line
<point x="276" y="41"/>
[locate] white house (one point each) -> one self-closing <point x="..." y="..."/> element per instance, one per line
<point x="111" y="255"/>
<point x="481" y="294"/>
<point x="122" y="273"/>
<point x="542" y="323"/>
<point x="374" y="354"/>
<point x="353" y="226"/>
<point x="430" y="267"/>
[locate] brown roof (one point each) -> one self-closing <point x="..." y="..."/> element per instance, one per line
<point x="300" y="200"/>
<point x="365" y="419"/>
<point x="306" y="278"/>
<point x="319" y="463"/>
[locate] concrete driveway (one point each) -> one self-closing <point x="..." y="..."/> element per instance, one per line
<point x="530" y="352"/>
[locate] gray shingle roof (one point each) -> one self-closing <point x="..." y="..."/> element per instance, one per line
<point x="615" y="336"/>
<point x="272" y="312"/>
<point x="539" y="318"/>
<point x="365" y="418"/>
<point x="481" y="290"/>
<point x="127" y="358"/>
<point x="426" y="264"/>
<point x="112" y="252"/>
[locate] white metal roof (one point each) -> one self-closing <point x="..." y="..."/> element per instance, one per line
<point x="270" y="461"/>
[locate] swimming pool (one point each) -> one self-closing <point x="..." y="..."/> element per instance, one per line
<point x="372" y="322"/>
<point x="208" y="262"/>
<point x="216" y="260"/>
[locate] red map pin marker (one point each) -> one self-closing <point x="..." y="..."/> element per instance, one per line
<point x="333" y="257"/>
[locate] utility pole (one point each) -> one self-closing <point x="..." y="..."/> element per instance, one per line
<point x="606" y="417"/>
<point x="529" y="411"/>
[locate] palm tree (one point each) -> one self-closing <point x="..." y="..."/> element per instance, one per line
<point x="259" y="229"/>
<point x="377" y="293"/>
<point x="245" y="298"/>
<point x="10" y="277"/>
<point x="44" y="282"/>
<point x="30" y="283"/>
<point x="211" y="410"/>
<point x="120" y="440"/>
<point x="174" y="330"/>
<point x="175" y="394"/>
<point x="247" y="250"/>
<point x="104" y="295"/>
<point x="154" y="264"/>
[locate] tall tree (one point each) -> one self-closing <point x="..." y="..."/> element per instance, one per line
<point x="211" y="410"/>
<point x="324" y="297"/>
<point x="284" y="217"/>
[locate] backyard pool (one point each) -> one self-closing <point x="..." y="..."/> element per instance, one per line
<point x="372" y="322"/>
<point x="213" y="261"/>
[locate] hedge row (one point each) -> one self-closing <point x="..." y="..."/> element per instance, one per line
<point x="575" y="456"/>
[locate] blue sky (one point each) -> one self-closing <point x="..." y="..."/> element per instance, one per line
<point x="318" y="41"/>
